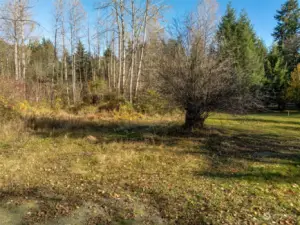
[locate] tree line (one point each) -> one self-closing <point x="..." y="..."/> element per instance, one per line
<point x="197" y="62"/>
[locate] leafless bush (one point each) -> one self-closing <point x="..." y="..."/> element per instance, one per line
<point x="193" y="73"/>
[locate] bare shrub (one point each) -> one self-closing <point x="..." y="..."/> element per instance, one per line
<point x="193" y="73"/>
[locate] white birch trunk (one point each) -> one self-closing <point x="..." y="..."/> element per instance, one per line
<point x="142" y="50"/>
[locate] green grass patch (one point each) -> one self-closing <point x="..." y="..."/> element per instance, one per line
<point x="239" y="169"/>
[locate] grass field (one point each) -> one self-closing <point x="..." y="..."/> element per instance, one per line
<point x="94" y="170"/>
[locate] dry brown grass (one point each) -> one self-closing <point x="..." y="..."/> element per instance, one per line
<point x="147" y="171"/>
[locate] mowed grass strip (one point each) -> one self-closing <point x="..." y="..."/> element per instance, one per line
<point x="74" y="171"/>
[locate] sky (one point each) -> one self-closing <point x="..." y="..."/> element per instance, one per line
<point x="260" y="12"/>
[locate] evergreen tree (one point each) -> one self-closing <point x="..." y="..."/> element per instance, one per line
<point x="287" y="31"/>
<point x="226" y="34"/>
<point x="41" y="60"/>
<point x="250" y="52"/>
<point x="284" y="57"/>
<point x="237" y="41"/>
<point x="287" y="22"/>
<point x="80" y="59"/>
<point x="276" y="78"/>
<point x="107" y="63"/>
<point x="83" y="68"/>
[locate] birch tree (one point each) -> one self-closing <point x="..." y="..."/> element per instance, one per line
<point x="76" y="17"/>
<point x="133" y="48"/>
<point x="15" y="17"/>
<point x="137" y="14"/>
<point x="116" y="7"/>
<point x="143" y="47"/>
<point x="61" y="36"/>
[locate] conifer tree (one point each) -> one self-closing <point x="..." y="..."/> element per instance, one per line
<point x="287" y="31"/>
<point x="284" y="57"/>
<point x="83" y="69"/>
<point x="226" y="34"/>
<point x="250" y="53"/>
<point x="276" y="78"/>
<point x="80" y="59"/>
<point x="287" y="22"/>
<point x="238" y="40"/>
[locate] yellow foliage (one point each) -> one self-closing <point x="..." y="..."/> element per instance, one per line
<point x="294" y="89"/>
<point x="295" y="77"/>
<point x="58" y="104"/>
<point x="23" y="106"/>
<point x="3" y="101"/>
<point x="126" y="112"/>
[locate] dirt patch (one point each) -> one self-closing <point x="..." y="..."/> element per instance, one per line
<point x="81" y="215"/>
<point x="13" y="211"/>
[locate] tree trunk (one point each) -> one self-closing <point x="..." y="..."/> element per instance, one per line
<point x="65" y="65"/>
<point x="80" y="78"/>
<point x="142" y="51"/>
<point x="281" y="106"/>
<point x="122" y="7"/>
<point x="114" y="61"/>
<point x="193" y="118"/>
<point x="7" y="69"/>
<point x="116" y="7"/>
<point x="98" y="48"/>
<point x="16" y="61"/>
<point x="131" y="78"/>
<point x="52" y="89"/>
<point x="110" y="75"/>
<point x="132" y="50"/>
<point x="23" y="73"/>
<point x="74" y="79"/>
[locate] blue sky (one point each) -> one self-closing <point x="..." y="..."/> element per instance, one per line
<point x="261" y="13"/>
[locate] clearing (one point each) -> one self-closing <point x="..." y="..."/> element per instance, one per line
<point x="91" y="170"/>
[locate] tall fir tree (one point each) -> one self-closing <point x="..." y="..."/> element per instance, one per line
<point x="251" y="52"/>
<point x="83" y="68"/>
<point x="40" y="60"/>
<point x="276" y="78"/>
<point x="284" y="57"/>
<point x="287" y="32"/>
<point x="80" y="59"/>
<point x="238" y="41"/>
<point x="226" y="34"/>
<point x="287" y="21"/>
<point x="107" y="58"/>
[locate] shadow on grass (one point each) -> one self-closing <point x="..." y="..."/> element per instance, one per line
<point x="257" y="177"/>
<point x="225" y="149"/>
<point x="254" y="146"/>
<point x="108" y="131"/>
<point x="288" y="128"/>
<point x="233" y="157"/>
